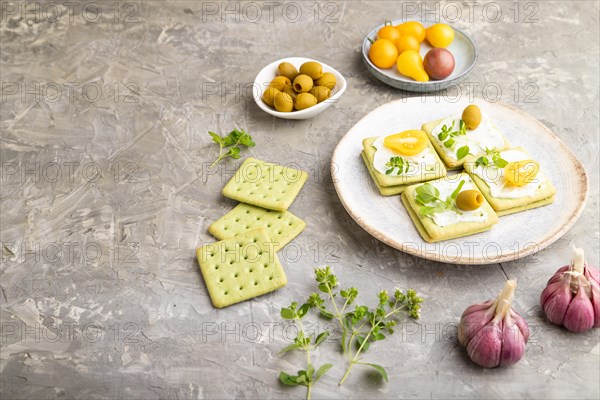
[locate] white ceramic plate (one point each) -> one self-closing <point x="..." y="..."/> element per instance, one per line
<point x="266" y="75"/>
<point x="462" y="48"/>
<point x="515" y="236"/>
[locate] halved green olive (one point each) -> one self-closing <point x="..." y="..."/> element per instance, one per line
<point x="469" y="200"/>
<point x="280" y="82"/>
<point x="303" y="83"/>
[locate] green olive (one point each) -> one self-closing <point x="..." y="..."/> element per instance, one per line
<point x="288" y="70"/>
<point x="269" y="95"/>
<point x="469" y="200"/>
<point x="280" y="82"/>
<point x="290" y="90"/>
<point x="472" y="116"/>
<point x="304" y="100"/>
<point x="322" y="93"/>
<point x="303" y="83"/>
<point x="312" y="69"/>
<point x="283" y="102"/>
<point x="327" y="80"/>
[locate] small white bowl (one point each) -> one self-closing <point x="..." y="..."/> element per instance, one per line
<point x="266" y="75"/>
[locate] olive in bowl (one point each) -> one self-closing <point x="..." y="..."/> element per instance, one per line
<point x="314" y="87"/>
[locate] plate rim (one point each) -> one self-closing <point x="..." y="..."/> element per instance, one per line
<point x="431" y="85"/>
<point x="538" y="245"/>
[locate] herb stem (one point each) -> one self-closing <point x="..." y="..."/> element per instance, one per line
<point x="307" y="348"/>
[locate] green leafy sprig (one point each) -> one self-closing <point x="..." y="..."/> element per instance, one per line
<point x="397" y="162"/>
<point x="431" y="203"/>
<point x="229" y="146"/>
<point x="448" y="135"/>
<point x="363" y="325"/>
<point x="303" y="342"/>
<point x="496" y="159"/>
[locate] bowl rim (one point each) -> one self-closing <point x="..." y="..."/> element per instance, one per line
<point x="314" y="110"/>
<point x="412" y="81"/>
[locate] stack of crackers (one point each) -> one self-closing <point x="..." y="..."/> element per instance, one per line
<point x="244" y="263"/>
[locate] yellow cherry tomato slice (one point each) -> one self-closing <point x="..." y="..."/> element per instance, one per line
<point x="408" y="143"/>
<point x="520" y="173"/>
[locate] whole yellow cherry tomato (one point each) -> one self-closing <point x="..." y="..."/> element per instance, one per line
<point x="383" y="53"/>
<point x="408" y="143"/>
<point x="520" y="173"/>
<point x="407" y="43"/>
<point x="410" y="64"/>
<point x="388" y="32"/>
<point x="440" y="35"/>
<point x="412" y="28"/>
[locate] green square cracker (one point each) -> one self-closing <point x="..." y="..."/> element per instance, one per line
<point x="431" y="232"/>
<point x="265" y="185"/>
<point x="240" y="268"/>
<point x="384" y="190"/>
<point x="281" y="226"/>
<point x="450" y="163"/>
<point x="506" y="206"/>
<point x="396" y="181"/>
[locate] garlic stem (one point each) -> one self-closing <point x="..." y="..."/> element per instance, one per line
<point x="578" y="260"/>
<point x="505" y="297"/>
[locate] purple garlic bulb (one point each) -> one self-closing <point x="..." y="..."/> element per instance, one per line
<point x="493" y="333"/>
<point x="572" y="296"/>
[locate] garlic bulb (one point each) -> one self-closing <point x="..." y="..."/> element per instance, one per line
<point x="572" y="296"/>
<point x="493" y="333"/>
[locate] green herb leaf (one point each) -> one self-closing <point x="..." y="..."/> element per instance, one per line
<point x="442" y="135"/>
<point x="293" y="346"/>
<point x="359" y="342"/>
<point x="287" y="379"/>
<point x="449" y="143"/>
<point x="322" y="371"/>
<point x="235" y="138"/>
<point x="303" y="310"/>
<point x="321" y="338"/>
<point x="462" y="152"/>
<point x="326" y="314"/>
<point x="454" y="194"/>
<point x="482" y="161"/>
<point x="286" y="313"/>
<point x="302" y="378"/>
<point x="216" y="138"/>
<point x="379" y="369"/>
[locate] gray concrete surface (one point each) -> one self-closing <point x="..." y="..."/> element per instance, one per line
<point x="106" y="192"/>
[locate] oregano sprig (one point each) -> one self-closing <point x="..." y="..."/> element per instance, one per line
<point x="429" y="198"/>
<point x="496" y="159"/>
<point x="399" y="163"/>
<point x="363" y="325"/>
<point x="231" y="142"/>
<point x="448" y="137"/>
<point x="303" y="342"/>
